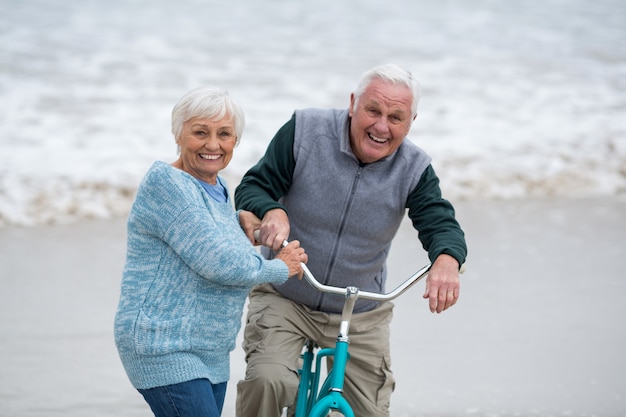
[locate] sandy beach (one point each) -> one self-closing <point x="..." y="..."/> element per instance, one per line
<point x="538" y="330"/>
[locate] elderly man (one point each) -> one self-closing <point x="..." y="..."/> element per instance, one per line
<point x="340" y="181"/>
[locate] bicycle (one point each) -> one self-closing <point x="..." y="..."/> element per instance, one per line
<point x="316" y="401"/>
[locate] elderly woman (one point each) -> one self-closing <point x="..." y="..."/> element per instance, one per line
<point x="189" y="266"/>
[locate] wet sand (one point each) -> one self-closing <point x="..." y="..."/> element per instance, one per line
<point x="538" y="330"/>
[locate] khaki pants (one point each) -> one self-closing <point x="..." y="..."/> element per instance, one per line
<point x="274" y="335"/>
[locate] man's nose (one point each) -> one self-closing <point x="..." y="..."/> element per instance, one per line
<point x="382" y="124"/>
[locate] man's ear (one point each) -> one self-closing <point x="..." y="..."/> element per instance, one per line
<point x="351" y="109"/>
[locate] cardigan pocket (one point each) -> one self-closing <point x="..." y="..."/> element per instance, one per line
<point x="159" y="337"/>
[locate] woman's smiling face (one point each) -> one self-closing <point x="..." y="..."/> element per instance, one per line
<point x="381" y="119"/>
<point x="206" y="147"/>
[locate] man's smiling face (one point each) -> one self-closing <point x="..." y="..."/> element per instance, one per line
<point x="381" y="119"/>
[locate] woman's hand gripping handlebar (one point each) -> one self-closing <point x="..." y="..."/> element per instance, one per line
<point x="293" y="255"/>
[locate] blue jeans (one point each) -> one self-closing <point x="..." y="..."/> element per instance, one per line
<point x="197" y="398"/>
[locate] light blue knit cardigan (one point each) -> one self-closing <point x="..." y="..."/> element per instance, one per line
<point x="189" y="268"/>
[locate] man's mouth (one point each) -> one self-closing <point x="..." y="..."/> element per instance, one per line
<point x="377" y="139"/>
<point x="209" y="157"/>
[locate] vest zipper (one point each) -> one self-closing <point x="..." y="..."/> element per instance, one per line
<point x="333" y="258"/>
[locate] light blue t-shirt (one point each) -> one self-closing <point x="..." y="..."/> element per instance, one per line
<point x="217" y="192"/>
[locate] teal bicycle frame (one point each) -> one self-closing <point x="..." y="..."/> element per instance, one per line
<point x="314" y="401"/>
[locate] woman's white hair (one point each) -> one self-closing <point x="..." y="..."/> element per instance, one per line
<point x="393" y="74"/>
<point x="207" y="102"/>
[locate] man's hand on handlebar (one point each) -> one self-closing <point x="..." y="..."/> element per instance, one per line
<point x="442" y="284"/>
<point x="274" y="229"/>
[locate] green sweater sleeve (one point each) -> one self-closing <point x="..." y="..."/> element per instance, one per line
<point x="434" y="219"/>
<point x="267" y="181"/>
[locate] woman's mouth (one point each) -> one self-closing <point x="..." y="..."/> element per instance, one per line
<point x="209" y="157"/>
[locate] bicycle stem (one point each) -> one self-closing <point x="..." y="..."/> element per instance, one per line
<point x="352" y="293"/>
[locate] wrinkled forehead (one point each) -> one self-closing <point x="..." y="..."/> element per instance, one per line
<point x="388" y="95"/>
<point x="225" y="121"/>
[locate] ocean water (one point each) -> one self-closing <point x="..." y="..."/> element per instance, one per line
<point x="519" y="99"/>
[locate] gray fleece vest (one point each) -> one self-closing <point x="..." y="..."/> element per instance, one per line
<point x="344" y="213"/>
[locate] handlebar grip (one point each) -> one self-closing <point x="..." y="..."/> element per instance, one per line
<point x="257" y="237"/>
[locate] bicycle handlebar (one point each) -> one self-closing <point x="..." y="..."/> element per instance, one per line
<point x="408" y="283"/>
<point x="412" y="280"/>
